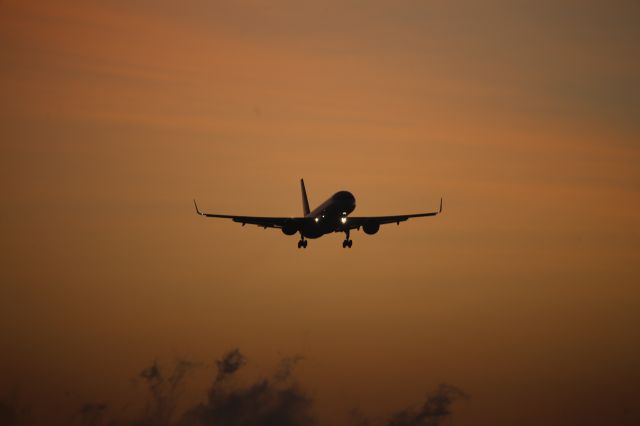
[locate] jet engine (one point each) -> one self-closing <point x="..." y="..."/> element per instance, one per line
<point x="289" y="228"/>
<point x="371" y="228"/>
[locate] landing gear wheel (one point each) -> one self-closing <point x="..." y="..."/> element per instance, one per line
<point x="347" y="242"/>
<point x="302" y="243"/>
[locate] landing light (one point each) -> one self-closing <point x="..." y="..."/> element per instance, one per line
<point x="317" y="219"/>
<point x="343" y="219"/>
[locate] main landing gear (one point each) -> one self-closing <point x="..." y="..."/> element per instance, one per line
<point x="347" y="242"/>
<point x="302" y="243"/>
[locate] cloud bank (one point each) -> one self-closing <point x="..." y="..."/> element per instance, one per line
<point x="277" y="400"/>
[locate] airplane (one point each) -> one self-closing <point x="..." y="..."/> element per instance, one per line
<point x="330" y="216"/>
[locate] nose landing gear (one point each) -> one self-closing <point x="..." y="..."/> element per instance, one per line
<point x="302" y="243"/>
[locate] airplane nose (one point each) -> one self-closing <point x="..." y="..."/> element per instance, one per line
<point x="343" y="196"/>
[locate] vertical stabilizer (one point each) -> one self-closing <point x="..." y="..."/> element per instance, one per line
<point x="305" y="200"/>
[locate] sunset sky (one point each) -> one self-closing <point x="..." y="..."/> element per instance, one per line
<point x="523" y="115"/>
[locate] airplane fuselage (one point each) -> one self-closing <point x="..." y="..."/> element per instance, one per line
<point x="330" y="216"/>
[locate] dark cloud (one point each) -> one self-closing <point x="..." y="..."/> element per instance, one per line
<point x="229" y="364"/>
<point x="436" y="408"/>
<point x="8" y="413"/>
<point x="286" y="366"/>
<point x="12" y="412"/>
<point x="274" y="401"/>
<point x="268" y="402"/>
<point x="92" y="414"/>
<point x="164" y="391"/>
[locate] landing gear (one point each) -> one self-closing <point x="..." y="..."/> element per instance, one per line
<point x="347" y="242"/>
<point x="302" y="243"/>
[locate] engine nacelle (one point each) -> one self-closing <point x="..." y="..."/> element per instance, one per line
<point x="371" y="228"/>
<point x="289" y="228"/>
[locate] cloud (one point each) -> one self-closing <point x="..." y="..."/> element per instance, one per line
<point x="12" y="411"/>
<point x="92" y="414"/>
<point x="7" y="413"/>
<point x="229" y="364"/>
<point x="435" y="409"/>
<point x="165" y="392"/>
<point x="267" y="402"/>
<point x="277" y="400"/>
<point x="285" y="368"/>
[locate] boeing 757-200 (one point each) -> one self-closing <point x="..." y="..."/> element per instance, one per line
<point x="330" y="216"/>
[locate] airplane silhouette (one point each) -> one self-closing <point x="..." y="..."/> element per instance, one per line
<point x="330" y="216"/>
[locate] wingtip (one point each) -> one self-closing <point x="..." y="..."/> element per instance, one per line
<point x="440" y="210"/>
<point x="196" y="206"/>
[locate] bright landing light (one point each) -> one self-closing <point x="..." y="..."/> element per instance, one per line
<point x="317" y="219"/>
<point x="343" y="219"/>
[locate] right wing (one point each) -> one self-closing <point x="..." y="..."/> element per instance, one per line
<point x="355" y="222"/>
<point x="263" y="222"/>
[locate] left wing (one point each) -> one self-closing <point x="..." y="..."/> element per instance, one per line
<point x="263" y="222"/>
<point x="357" y="222"/>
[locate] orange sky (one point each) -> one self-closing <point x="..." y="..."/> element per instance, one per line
<point x="525" y="116"/>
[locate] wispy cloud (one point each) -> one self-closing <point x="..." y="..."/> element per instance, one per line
<point x="278" y="400"/>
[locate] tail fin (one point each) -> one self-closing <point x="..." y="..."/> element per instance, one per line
<point x="305" y="200"/>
